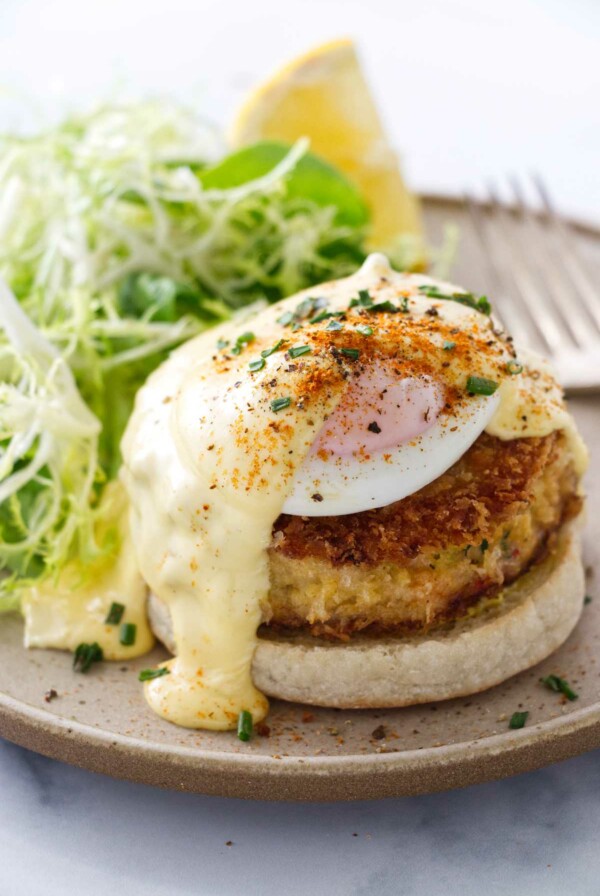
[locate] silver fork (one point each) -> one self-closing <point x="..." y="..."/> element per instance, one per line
<point x="543" y="291"/>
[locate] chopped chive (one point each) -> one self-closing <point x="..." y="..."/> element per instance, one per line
<point x="274" y="348"/>
<point x="115" y="614"/>
<point x="244" y="725"/>
<point x="383" y="307"/>
<point x="257" y="364"/>
<point x="518" y="719"/>
<point x="551" y="681"/>
<point x="286" y="318"/>
<point x="465" y="298"/>
<point x="307" y="306"/>
<point x="480" y="385"/>
<point x="560" y="686"/>
<point x="334" y="325"/>
<point x="242" y="341"/>
<point x="245" y="338"/>
<point x="481" y="304"/>
<point x="448" y="345"/>
<point x="324" y="315"/>
<point x="484" y="305"/>
<point x="364" y="330"/>
<point x="278" y="404"/>
<point x="127" y="633"/>
<point x="85" y="655"/>
<point x="432" y="292"/>
<point x="150" y="674"/>
<point x="319" y="317"/>
<point x="513" y="367"/>
<point x="350" y="353"/>
<point x="222" y="343"/>
<point x="296" y="350"/>
<point x="296" y="326"/>
<point x="404" y="306"/>
<point x="484" y="545"/>
<point x="364" y="299"/>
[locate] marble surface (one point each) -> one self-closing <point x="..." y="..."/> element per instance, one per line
<point x="469" y="91"/>
<point x="65" y="831"/>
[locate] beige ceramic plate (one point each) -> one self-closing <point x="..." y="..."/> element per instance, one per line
<point x="101" y="722"/>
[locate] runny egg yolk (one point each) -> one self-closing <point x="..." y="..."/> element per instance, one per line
<point x="379" y="411"/>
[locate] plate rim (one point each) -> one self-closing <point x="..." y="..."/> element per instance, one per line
<point x="250" y="776"/>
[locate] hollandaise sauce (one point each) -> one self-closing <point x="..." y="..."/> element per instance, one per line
<point x="221" y="432"/>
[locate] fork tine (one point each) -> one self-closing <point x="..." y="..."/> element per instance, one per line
<point x="584" y="288"/>
<point x="552" y="273"/>
<point x="503" y="302"/>
<point x="533" y="301"/>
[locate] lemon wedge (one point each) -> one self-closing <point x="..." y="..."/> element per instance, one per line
<point x="323" y="95"/>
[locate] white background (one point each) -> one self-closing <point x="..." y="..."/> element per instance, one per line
<point x="470" y="89"/>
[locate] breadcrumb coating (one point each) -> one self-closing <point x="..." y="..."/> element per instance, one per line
<point x="427" y="559"/>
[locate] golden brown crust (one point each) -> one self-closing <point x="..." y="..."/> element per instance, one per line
<point x="430" y="557"/>
<point x="535" y="615"/>
<point x="492" y="482"/>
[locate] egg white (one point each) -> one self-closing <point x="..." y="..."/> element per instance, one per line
<point x="352" y="484"/>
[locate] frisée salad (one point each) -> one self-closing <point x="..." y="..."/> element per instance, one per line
<point x="122" y="234"/>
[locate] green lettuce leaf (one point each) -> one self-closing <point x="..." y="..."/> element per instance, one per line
<point x="311" y="178"/>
